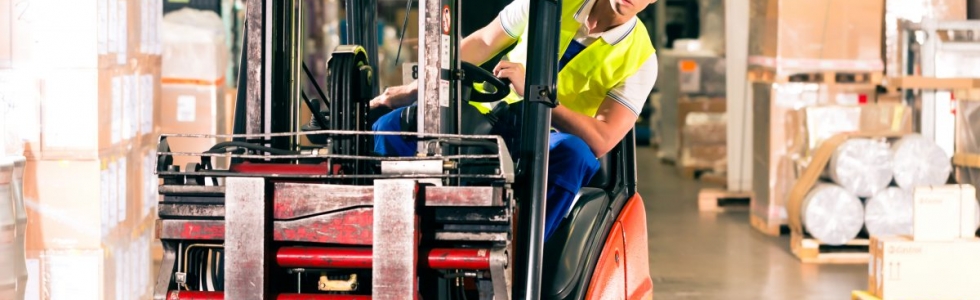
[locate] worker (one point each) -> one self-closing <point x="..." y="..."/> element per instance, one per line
<point x="607" y="68"/>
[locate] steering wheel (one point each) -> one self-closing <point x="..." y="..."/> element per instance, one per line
<point x="473" y="74"/>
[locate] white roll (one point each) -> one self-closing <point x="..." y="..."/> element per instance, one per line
<point x="862" y="166"/>
<point x="889" y="213"/>
<point x="832" y="215"/>
<point x="918" y="161"/>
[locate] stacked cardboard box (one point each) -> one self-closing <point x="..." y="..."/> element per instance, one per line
<point x="939" y="261"/>
<point x="193" y="82"/>
<point x="797" y="49"/>
<point x="80" y="84"/>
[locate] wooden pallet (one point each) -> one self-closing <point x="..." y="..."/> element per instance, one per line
<point x="823" y="77"/>
<point x="810" y="251"/>
<point x="720" y="179"/>
<point x="766" y="228"/>
<point x="693" y="171"/>
<point x="863" y="295"/>
<point x="718" y="200"/>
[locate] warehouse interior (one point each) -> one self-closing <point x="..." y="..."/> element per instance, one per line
<point x="384" y="149"/>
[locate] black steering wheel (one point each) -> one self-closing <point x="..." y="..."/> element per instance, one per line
<point x="473" y="74"/>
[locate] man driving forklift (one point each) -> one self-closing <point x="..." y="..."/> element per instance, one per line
<point x="607" y="68"/>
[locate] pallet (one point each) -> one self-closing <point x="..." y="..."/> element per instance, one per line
<point x="822" y="77"/>
<point x="715" y="178"/>
<point x="718" y="200"/>
<point x="810" y="251"/>
<point x="689" y="171"/>
<point x="863" y="295"/>
<point x="765" y="228"/>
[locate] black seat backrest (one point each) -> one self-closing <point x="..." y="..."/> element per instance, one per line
<point x="569" y="246"/>
<point x="603" y="178"/>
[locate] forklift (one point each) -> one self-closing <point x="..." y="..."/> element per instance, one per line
<point x="263" y="214"/>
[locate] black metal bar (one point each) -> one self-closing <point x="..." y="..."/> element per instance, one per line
<point x="533" y="164"/>
<point x="362" y="30"/>
<point x="316" y="86"/>
<point x="628" y="153"/>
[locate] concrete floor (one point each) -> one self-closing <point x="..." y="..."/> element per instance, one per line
<point x="719" y="256"/>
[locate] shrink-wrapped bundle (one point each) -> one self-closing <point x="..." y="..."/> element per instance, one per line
<point x="918" y="161"/>
<point x="889" y="212"/>
<point x="862" y="166"/>
<point x="832" y="215"/>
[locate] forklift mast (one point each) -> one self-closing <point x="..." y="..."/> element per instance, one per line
<point x="269" y="93"/>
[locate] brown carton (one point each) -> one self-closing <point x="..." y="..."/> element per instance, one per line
<point x="81" y="204"/>
<point x="831" y="30"/>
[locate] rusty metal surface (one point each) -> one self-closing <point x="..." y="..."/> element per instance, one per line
<point x="472" y="236"/>
<point x="349" y="227"/>
<point x="296" y="200"/>
<point x="202" y="230"/>
<point x="248" y="239"/>
<point x="430" y="31"/>
<point x="472" y="215"/>
<point x="191" y="190"/>
<point x="162" y="285"/>
<point x="463" y="196"/>
<point x="395" y="255"/>
<point x="195" y="210"/>
<point x="500" y="273"/>
<point x="255" y="37"/>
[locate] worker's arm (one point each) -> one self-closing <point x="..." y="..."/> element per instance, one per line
<point x="476" y="49"/>
<point x="611" y="123"/>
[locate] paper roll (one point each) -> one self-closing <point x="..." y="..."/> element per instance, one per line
<point x="889" y="213"/>
<point x="832" y="215"/>
<point x="862" y="166"/>
<point x="918" y="161"/>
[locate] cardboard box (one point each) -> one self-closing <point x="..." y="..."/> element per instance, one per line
<point x="192" y="109"/>
<point x="20" y="93"/>
<point x="119" y="270"/>
<point x="819" y="29"/>
<point x="83" y="203"/>
<point x="913" y="270"/>
<point x="944" y="213"/>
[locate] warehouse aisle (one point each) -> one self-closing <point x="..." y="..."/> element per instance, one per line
<point x="719" y="256"/>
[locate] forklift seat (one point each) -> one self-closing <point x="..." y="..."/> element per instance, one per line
<point x="567" y="248"/>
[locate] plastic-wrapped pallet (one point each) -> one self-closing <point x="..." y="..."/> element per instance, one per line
<point x="919" y="161"/>
<point x="862" y="166"/>
<point x="832" y="215"/>
<point x="889" y="212"/>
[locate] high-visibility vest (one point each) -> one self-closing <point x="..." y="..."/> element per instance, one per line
<point x="585" y="80"/>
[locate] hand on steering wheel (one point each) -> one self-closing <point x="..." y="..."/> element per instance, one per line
<point x="511" y="71"/>
<point x="473" y="74"/>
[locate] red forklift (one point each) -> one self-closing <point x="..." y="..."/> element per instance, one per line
<point x="261" y="215"/>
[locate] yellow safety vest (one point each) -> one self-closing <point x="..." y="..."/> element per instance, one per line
<point x="585" y="80"/>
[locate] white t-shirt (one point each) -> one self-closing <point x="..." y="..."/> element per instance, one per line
<point x="634" y="90"/>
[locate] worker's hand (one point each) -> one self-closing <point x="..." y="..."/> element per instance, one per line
<point x="396" y="96"/>
<point x="512" y="71"/>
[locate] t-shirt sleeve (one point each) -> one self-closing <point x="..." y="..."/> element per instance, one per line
<point x="513" y="18"/>
<point x="635" y="89"/>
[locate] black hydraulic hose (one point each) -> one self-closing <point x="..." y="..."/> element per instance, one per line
<point x="221" y="147"/>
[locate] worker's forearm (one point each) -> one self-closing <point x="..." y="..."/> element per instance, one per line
<point x="587" y="128"/>
<point x="475" y="50"/>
